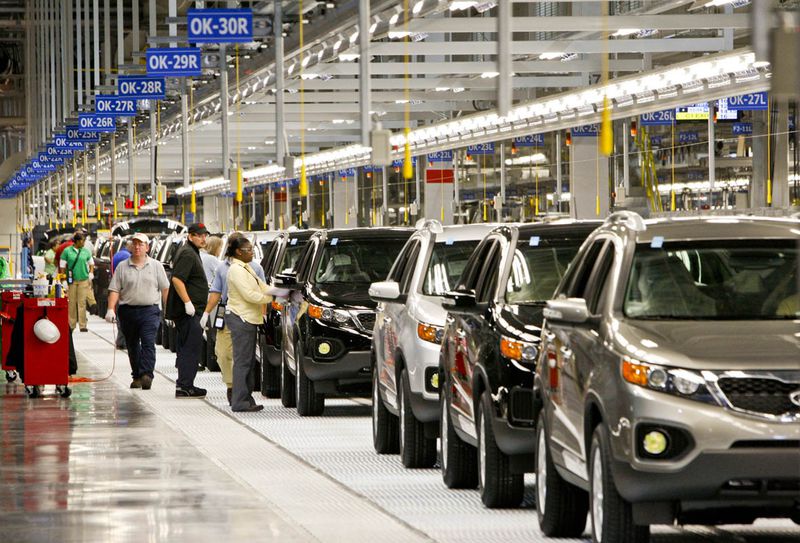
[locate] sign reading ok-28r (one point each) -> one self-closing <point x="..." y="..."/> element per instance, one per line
<point x="174" y="61"/>
<point x="141" y="87"/>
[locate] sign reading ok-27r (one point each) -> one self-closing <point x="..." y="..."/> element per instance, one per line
<point x="174" y="61"/>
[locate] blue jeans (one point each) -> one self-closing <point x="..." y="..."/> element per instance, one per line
<point x="139" y="324"/>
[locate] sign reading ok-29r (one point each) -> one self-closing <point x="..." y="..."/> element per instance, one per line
<point x="141" y="87"/>
<point x="220" y="25"/>
<point x="174" y="61"/>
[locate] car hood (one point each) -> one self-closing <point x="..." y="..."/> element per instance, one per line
<point x="523" y="322"/>
<point x="711" y="345"/>
<point x="427" y="309"/>
<point x="350" y="295"/>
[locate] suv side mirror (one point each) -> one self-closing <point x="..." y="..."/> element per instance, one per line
<point x="568" y="310"/>
<point x="463" y="302"/>
<point x="386" y="291"/>
<point x="287" y="280"/>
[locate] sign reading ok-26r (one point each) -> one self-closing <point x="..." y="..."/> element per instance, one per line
<point x="141" y="87"/>
<point x="95" y="122"/>
<point x="174" y="61"/>
<point x="220" y="25"/>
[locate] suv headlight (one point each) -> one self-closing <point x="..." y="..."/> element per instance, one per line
<point x="430" y="333"/>
<point x="675" y="381"/>
<point x="338" y="316"/>
<point x="521" y="351"/>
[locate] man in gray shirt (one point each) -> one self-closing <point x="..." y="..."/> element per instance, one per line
<point x="139" y="284"/>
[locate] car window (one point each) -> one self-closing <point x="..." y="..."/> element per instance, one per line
<point x="303" y="263"/>
<point x="357" y="261"/>
<point x="472" y="270"/>
<point x="447" y="263"/>
<point x="759" y="281"/>
<point x="537" y="267"/>
<point x="410" y="265"/>
<point x="399" y="265"/>
<point x="597" y="280"/>
<point x="485" y="287"/>
<point x="579" y="279"/>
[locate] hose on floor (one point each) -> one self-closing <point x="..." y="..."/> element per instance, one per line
<point x="79" y="379"/>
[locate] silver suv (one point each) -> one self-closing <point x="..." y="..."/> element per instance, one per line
<point x="668" y="385"/>
<point x="407" y="336"/>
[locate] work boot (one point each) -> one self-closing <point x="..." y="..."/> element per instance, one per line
<point x="137" y="383"/>
<point x="147" y="382"/>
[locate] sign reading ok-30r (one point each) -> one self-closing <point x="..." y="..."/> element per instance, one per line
<point x="179" y="62"/>
<point x="94" y="122"/>
<point x="220" y="25"/>
<point x="141" y="87"/>
<point x="114" y="105"/>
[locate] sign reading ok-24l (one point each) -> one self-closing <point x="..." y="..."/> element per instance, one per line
<point x="220" y="25"/>
<point x="173" y="61"/>
<point x="141" y="87"/>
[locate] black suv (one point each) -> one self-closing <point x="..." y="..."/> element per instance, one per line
<point x="280" y="254"/>
<point x="489" y="351"/>
<point x="328" y="335"/>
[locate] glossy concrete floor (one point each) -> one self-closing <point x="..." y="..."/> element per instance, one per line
<point x="118" y="465"/>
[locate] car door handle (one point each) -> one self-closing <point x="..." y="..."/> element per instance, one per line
<point x="387" y="320"/>
<point x="461" y="333"/>
<point x="566" y="352"/>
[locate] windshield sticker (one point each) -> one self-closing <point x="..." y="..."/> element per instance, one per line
<point x="334" y="242"/>
<point x="293" y="242"/>
<point x="657" y="243"/>
<point x="534" y="241"/>
<point x="449" y="241"/>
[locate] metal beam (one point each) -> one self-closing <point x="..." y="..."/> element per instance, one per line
<point x="430" y="83"/>
<point x="453" y="68"/>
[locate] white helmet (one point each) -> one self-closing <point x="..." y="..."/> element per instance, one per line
<point x="45" y="330"/>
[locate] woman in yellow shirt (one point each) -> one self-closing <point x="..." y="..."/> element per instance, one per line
<point x="247" y="298"/>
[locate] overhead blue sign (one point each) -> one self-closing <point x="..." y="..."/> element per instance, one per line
<point x="96" y="122"/>
<point x="141" y="87"/>
<point x="585" y="130"/>
<point x="61" y="142"/>
<point x="175" y="61"/>
<point x="53" y="152"/>
<point x="740" y="129"/>
<point x="74" y="133"/>
<point x="658" y="118"/>
<point x="655" y="141"/>
<point x="349" y="172"/>
<point x="399" y="162"/>
<point x="441" y="156"/>
<point x="481" y="149"/>
<point x="220" y="25"/>
<point x="531" y="140"/>
<point x="115" y="105"/>
<point x="755" y="101"/>
<point x="44" y="158"/>
<point x="688" y="137"/>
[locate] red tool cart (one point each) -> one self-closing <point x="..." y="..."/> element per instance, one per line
<point x="46" y="363"/>
<point x="10" y="303"/>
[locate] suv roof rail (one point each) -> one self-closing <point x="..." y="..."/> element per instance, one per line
<point x="630" y="219"/>
<point x="432" y="224"/>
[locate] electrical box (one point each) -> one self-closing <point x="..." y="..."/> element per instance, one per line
<point x="290" y="163"/>
<point x="380" y="140"/>
<point x="91" y="209"/>
<point x="162" y="193"/>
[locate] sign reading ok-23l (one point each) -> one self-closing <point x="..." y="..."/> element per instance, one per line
<point x="141" y="87"/>
<point x="174" y="61"/>
<point x="220" y="25"/>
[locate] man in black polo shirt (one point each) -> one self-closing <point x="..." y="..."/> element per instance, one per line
<point x="188" y="291"/>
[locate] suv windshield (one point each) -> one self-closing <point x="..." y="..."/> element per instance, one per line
<point x="291" y="255"/>
<point x="447" y="262"/>
<point x="720" y="280"/>
<point x="537" y="269"/>
<point x="357" y="261"/>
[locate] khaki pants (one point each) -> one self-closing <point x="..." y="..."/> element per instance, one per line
<point x="78" y="294"/>
<point x="224" y="351"/>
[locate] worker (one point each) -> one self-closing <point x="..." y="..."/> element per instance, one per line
<point x="77" y="264"/>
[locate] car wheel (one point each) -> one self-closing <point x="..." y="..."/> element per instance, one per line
<point x="459" y="459"/>
<point x="497" y="485"/>
<point x="612" y="516"/>
<point x="309" y="402"/>
<point x="416" y="451"/>
<point x="384" y="424"/>
<point x="560" y="506"/>
<point x="288" y="399"/>
<point x="270" y="375"/>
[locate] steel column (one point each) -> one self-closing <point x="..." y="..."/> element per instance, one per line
<point x="712" y="166"/>
<point x="504" y="36"/>
<point x="364" y="97"/>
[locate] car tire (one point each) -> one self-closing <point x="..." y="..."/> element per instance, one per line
<point x="459" y="459"/>
<point x="288" y="399"/>
<point x="270" y="375"/>
<point x="416" y="450"/>
<point x="561" y="507"/>
<point x="384" y="424"/>
<point x="309" y="402"/>
<point x="498" y="487"/>
<point x="612" y="516"/>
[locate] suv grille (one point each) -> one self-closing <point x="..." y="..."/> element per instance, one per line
<point x="760" y="395"/>
<point x="366" y="320"/>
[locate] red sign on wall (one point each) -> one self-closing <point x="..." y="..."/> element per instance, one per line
<point x="439" y="176"/>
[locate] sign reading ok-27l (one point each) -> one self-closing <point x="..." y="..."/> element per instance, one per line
<point x="220" y="25"/>
<point x="174" y="61"/>
<point x="141" y="87"/>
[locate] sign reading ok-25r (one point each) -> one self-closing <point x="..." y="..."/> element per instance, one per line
<point x="141" y="87"/>
<point x="179" y="62"/>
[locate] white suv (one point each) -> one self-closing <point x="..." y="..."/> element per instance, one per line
<point x="407" y="336"/>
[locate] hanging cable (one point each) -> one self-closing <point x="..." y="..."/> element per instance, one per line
<point x="408" y="168"/>
<point x="769" y="152"/>
<point x="133" y="172"/>
<point x="160" y="210"/>
<point x="672" y="181"/>
<point x="303" y="178"/>
<point x="193" y="197"/>
<point x="485" y="201"/>
<point x="239" y="186"/>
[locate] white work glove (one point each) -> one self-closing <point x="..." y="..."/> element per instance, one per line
<point x="296" y="296"/>
<point x="111" y="316"/>
<point x="204" y="320"/>
<point x="91" y="276"/>
<point x="169" y="322"/>
<point x="189" y="307"/>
